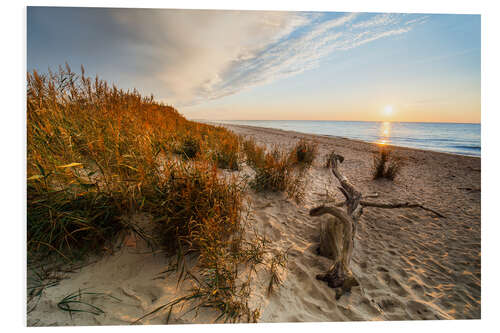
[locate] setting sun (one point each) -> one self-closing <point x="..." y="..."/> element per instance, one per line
<point x="388" y="110"/>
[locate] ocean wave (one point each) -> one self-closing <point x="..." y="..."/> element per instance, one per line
<point x="467" y="147"/>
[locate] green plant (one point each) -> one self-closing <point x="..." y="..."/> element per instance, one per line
<point x="38" y="281"/>
<point x="70" y="221"/>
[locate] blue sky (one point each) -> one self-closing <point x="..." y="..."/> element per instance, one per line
<point x="274" y="65"/>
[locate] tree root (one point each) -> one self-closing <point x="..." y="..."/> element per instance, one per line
<point x="339" y="280"/>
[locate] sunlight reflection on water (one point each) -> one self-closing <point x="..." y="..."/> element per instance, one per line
<point x="384" y="133"/>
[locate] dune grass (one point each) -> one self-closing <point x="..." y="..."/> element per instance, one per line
<point x="305" y="152"/>
<point x="191" y="205"/>
<point x="97" y="154"/>
<point x="279" y="170"/>
<point x="255" y="154"/>
<point x="76" y="302"/>
<point x="385" y="164"/>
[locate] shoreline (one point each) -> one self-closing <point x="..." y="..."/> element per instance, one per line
<point x="338" y="137"/>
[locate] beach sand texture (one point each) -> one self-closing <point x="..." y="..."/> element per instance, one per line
<point x="411" y="264"/>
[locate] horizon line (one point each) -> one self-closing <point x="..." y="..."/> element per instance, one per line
<point x="361" y="121"/>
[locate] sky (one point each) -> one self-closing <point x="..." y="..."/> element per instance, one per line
<point x="261" y="65"/>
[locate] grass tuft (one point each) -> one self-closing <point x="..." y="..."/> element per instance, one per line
<point x="328" y="159"/>
<point x="386" y="165"/>
<point x="255" y="155"/>
<point x="192" y="206"/>
<point x="227" y="153"/>
<point x="279" y="260"/>
<point x="189" y="147"/>
<point x="75" y="303"/>
<point x="69" y="222"/>
<point x="275" y="171"/>
<point x="97" y="153"/>
<point x="305" y="152"/>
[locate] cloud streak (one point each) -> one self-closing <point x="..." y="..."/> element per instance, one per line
<point x="205" y="55"/>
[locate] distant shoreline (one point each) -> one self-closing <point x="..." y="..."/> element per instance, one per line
<point x="336" y="137"/>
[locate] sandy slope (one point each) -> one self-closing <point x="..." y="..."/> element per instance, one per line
<point x="411" y="264"/>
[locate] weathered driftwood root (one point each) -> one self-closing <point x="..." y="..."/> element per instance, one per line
<point x="338" y="279"/>
<point x="338" y="232"/>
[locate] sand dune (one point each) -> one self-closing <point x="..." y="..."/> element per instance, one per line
<point x="410" y="263"/>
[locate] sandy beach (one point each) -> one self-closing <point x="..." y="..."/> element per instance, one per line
<point x="411" y="264"/>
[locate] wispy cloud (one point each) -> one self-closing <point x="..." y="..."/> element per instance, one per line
<point x="205" y="55"/>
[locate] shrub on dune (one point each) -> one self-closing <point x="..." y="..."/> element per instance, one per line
<point x="275" y="172"/>
<point x="189" y="147"/>
<point x="305" y="152"/>
<point x="255" y="155"/>
<point x="227" y="153"/>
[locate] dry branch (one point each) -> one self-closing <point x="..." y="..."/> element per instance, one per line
<point x="392" y="205"/>
<point x="399" y="205"/>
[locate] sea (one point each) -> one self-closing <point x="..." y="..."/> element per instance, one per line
<point x="454" y="138"/>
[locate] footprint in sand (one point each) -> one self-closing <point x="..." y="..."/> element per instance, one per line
<point x="368" y="307"/>
<point x="421" y="311"/>
<point x="270" y="225"/>
<point x="403" y="273"/>
<point x="417" y="288"/>
<point x="394" y="253"/>
<point x="363" y="265"/>
<point x="393" y="284"/>
<point x="389" y="304"/>
<point x="349" y="313"/>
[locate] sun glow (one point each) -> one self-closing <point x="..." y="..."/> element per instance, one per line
<point x="388" y="110"/>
